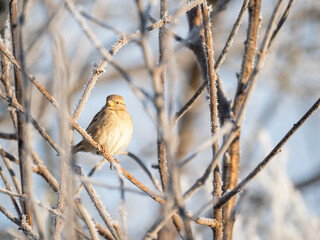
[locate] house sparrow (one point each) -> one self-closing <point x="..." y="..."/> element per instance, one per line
<point x="111" y="127"/>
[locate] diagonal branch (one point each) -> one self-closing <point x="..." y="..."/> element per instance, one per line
<point x="14" y="103"/>
<point x="226" y="197"/>
<point x="98" y="204"/>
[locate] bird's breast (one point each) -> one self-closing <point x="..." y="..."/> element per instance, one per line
<point x="115" y="132"/>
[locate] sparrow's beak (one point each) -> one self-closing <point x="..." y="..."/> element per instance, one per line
<point x="110" y="103"/>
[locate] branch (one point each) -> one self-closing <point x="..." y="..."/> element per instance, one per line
<point x="226" y="197"/>
<point x="17" y="51"/>
<point x="145" y="169"/>
<point x="98" y="204"/>
<point x="309" y="181"/>
<point x="8" y="136"/>
<point x="5" y="156"/>
<point x="78" y="128"/>
<point x="116" y="47"/>
<point x="218" y="63"/>
<point x="10" y="193"/>
<point x="231" y="160"/>
<point x="22" y="224"/>
<point x="14" y="103"/>
<point x="281" y="22"/>
<point x="103" y="231"/>
<point x="211" y="79"/>
<point x="87" y="219"/>
<point x="195" y="187"/>
<point x="39" y="168"/>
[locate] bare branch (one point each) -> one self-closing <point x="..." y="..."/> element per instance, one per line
<point x="226" y="197"/>
<point x="232" y="158"/>
<point x="17" y="51"/>
<point x="87" y="219"/>
<point x="145" y="169"/>
<point x="179" y="114"/>
<point x="214" y="124"/>
<point x="13" y="102"/>
<point x="98" y="204"/>
<point x="8" y="136"/>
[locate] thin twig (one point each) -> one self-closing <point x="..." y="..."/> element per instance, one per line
<point x="17" y="65"/>
<point x="231" y="36"/>
<point x="309" y="181"/>
<point x="145" y="169"/>
<point x="10" y="216"/>
<point x="101" y="23"/>
<point x="281" y="22"/>
<point x="10" y="193"/>
<point x="90" y="174"/>
<point x="212" y="223"/>
<point x="14" y="178"/>
<point x="39" y="168"/>
<point x="98" y="69"/>
<point x="208" y="143"/>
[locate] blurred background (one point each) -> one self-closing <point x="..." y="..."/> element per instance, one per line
<point x="281" y="203"/>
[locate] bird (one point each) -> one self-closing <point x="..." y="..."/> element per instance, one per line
<point x="111" y="127"/>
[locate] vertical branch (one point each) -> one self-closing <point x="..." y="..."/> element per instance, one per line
<point x="20" y="120"/>
<point x="158" y="77"/>
<point x="212" y="78"/>
<point x="67" y="181"/>
<point x="122" y="204"/>
<point x="27" y="136"/>
<point x="231" y="159"/>
<point x="160" y="106"/>
<point x="160" y="99"/>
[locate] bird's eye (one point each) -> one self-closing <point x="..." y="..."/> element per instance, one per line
<point x="117" y="102"/>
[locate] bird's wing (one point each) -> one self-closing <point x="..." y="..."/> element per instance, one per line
<point x="95" y="118"/>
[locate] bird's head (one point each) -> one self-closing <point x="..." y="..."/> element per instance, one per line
<point x="115" y="102"/>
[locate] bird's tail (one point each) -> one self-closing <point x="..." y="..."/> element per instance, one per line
<point x="77" y="148"/>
